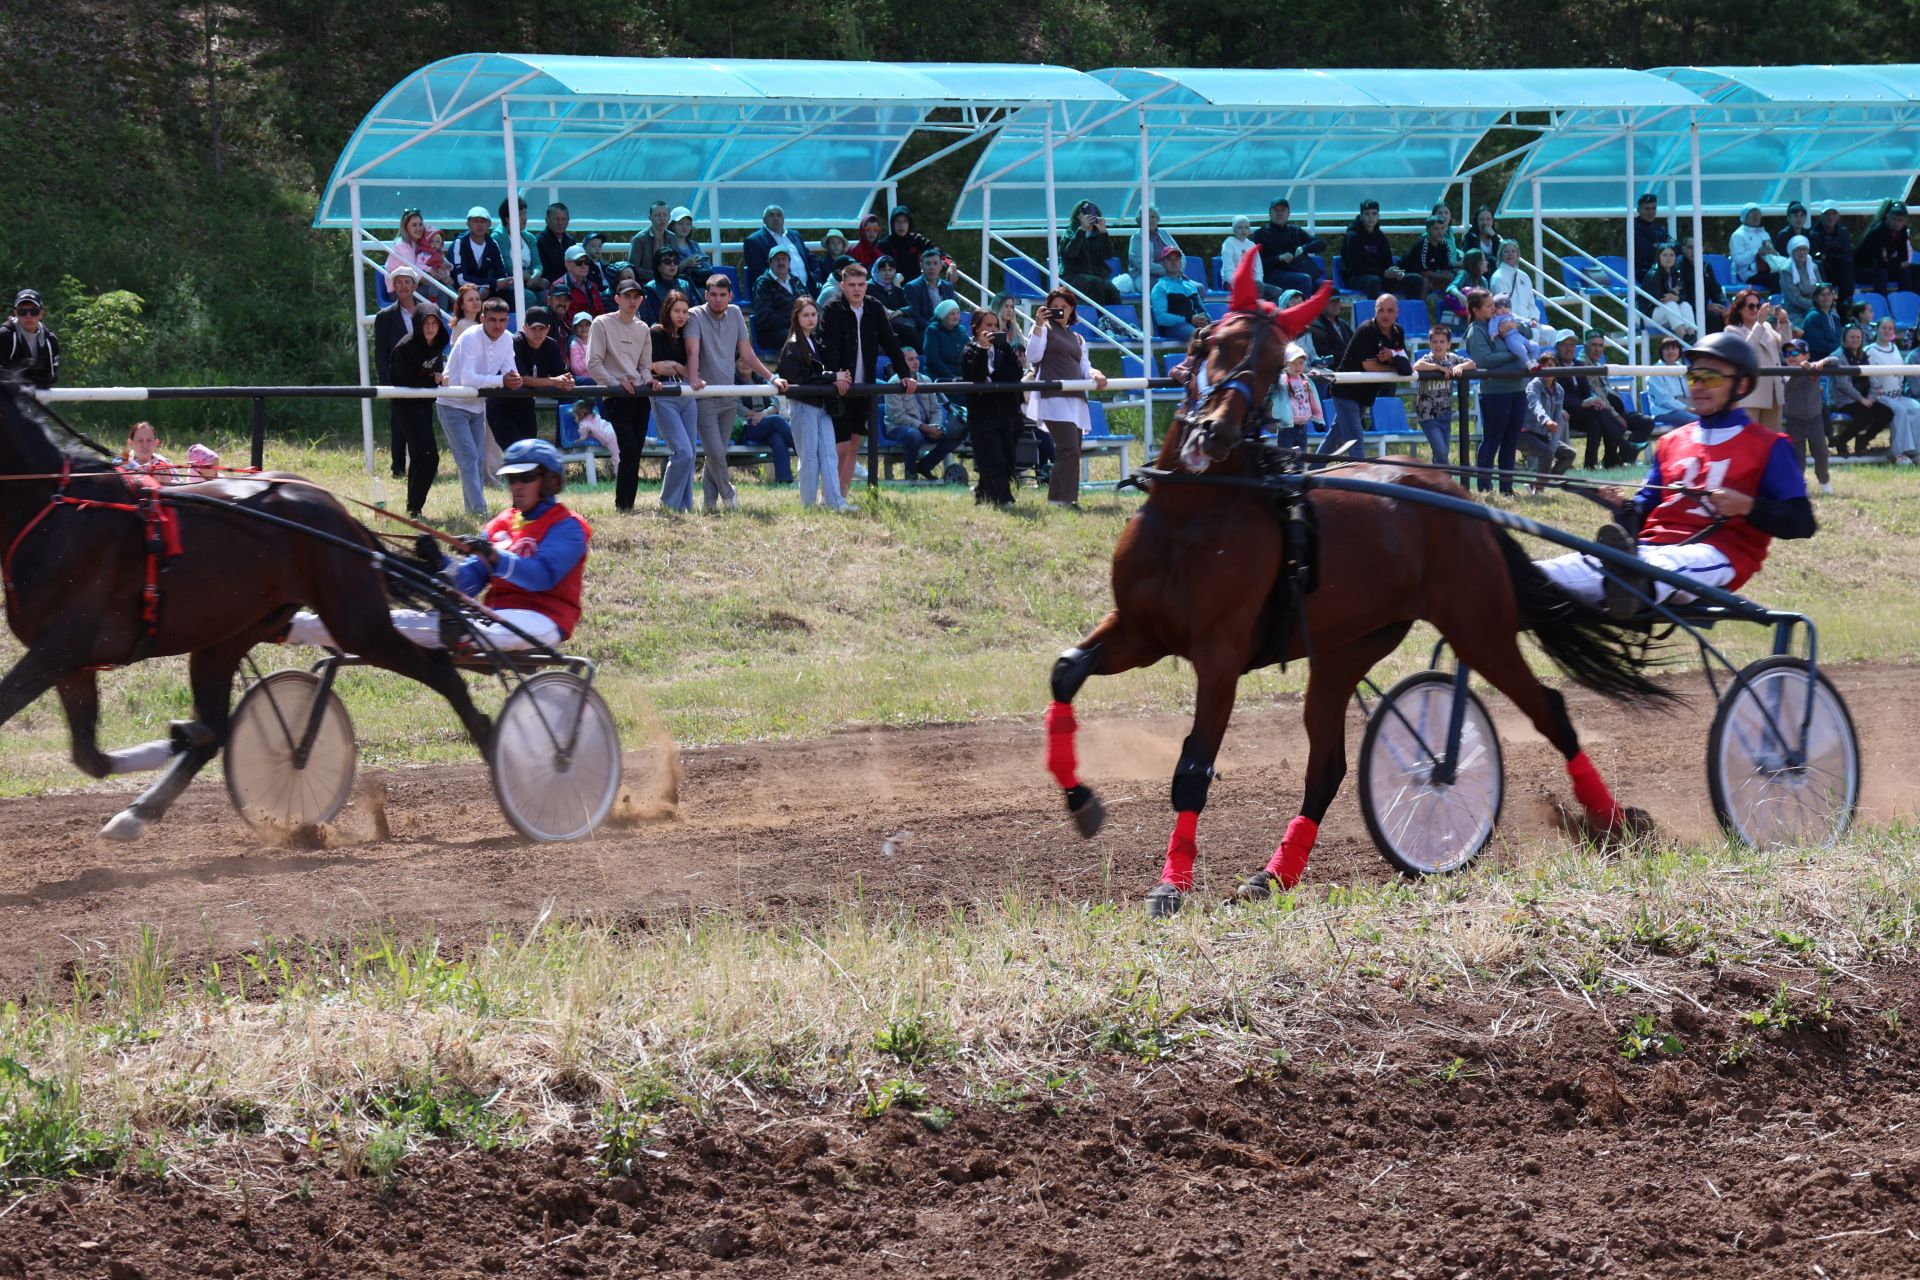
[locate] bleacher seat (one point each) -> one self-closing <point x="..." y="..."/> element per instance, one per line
<point x="1220" y="274"/>
<point x="1169" y="359"/>
<point x="1881" y="308"/>
<point x="381" y="297"/>
<point x="1415" y="319"/>
<point x="1130" y="366"/>
<point x="1584" y="275"/>
<point x="1362" y="311"/>
<point x="1097" y="419"/>
<point x="1026" y="278"/>
<point x="1127" y="312"/>
<point x="733" y="277"/>
<point x="1904" y="307"/>
<point x="1390" y="416"/>
<point x="1196" y="268"/>
<point x="1616" y="273"/>
<point x="1339" y="282"/>
<point x="1722" y="267"/>
<point x="1216" y="307"/>
<point x="1115" y="266"/>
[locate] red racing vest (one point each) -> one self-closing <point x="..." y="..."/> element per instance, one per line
<point x="1738" y="462"/>
<point x="561" y="602"/>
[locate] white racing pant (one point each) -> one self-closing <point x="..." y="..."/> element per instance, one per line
<point x="422" y="626"/>
<point x="1579" y="576"/>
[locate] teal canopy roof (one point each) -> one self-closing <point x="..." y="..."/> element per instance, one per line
<point x="1849" y="136"/>
<point x="609" y="135"/>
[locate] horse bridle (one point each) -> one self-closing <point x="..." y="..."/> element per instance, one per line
<point x="1242" y="378"/>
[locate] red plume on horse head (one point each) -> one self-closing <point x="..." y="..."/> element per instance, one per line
<point x="1245" y="296"/>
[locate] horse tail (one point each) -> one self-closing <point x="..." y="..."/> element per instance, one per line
<point x="1595" y="652"/>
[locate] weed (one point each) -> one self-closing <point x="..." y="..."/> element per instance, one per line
<point x="1798" y="943"/>
<point x="1642" y="1041"/>
<point x="1453" y="1072"/>
<point x="1892" y="1018"/>
<point x="936" y="1118"/>
<point x="625" y="1130"/>
<point x="911" y="1040"/>
<point x="384" y="1152"/>
<point x="908" y="1095"/>
<point x="1735" y="1055"/>
<point x="1775" y="1015"/>
<point x="43" y="1135"/>
<point x="435" y="1111"/>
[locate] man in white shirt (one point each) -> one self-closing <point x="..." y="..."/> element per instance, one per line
<point x="480" y="357"/>
<point x="717" y="348"/>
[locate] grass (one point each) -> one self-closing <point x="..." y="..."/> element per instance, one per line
<point x="372" y="1047"/>
<point x="773" y="622"/>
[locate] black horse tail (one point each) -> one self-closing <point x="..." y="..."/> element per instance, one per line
<point x="1595" y="652"/>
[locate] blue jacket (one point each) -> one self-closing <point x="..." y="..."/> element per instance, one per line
<point x="922" y="298"/>
<point x="564" y="546"/>
<point x="940" y="352"/>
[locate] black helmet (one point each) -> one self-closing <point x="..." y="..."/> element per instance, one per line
<point x="1730" y="348"/>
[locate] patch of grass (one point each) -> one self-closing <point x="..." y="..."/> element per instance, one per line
<point x="1641" y="1041"/>
<point x="44" y="1133"/>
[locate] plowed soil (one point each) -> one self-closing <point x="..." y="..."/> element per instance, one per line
<point x="1542" y="1154"/>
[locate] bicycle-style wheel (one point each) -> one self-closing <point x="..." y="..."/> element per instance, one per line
<point x="1774" y="783"/>
<point x="269" y="784"/>
<point x="1422" y="827"/>
<point x="550" y="790"/>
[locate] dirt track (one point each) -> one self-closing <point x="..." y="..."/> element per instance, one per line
<point x="923" y="815"/>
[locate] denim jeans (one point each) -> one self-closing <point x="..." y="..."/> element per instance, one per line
<point x="1438" y="432"/>
<point x="1349" y="423"/>
<point x="773" y="432"/>
<point x="818" y="463"/>
<point x="464" y="428"/>
<point x="1501" y="414"/>
<point x="676" y="420"/>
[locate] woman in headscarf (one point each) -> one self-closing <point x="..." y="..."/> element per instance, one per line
<point x="1748" y="249"/>
<point x="1511" y="278"/>
<point x="1799" y="279"/>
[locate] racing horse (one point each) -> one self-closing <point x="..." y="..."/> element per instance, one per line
<point x="88" y="587"/>
<point x="1205" y="571"/>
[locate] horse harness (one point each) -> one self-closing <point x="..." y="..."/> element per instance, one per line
<point x="160" y="536"/>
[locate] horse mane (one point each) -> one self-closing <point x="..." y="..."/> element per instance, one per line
<point x="29" y="423"/>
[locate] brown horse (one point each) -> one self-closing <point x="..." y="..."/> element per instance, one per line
<point x="1198" y="571"/>
<point x="76" y="569"/>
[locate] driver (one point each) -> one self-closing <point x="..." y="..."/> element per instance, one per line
<point x="1719" y="491"/>
<point x="526" y="567"/>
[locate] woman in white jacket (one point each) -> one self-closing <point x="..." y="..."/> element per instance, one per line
<point x="1237" y="246"/>
<point x="1748" y="249"/>
<point x="1510" y="278"/>
<point x="1905" y="446"/>
<point x="1767" y="328"/>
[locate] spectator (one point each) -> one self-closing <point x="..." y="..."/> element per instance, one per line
<point x="480" y="357"/>
<point x="1330" y="333"/>
<point x="1482" y="235"/>
<point x="542" y="364"/>
<point x="993" y="419"/>
<point x="666" y="281"/>
<point x="142" y="456"/>
<point x="1862" y="315"/>
<point x="1284" y="263"/>
<point x="929" y="290"/>
<point x="904" y="244"/>
<point x="1157" y="242"/>
<point x="1593" y="410"/>
<point x="415" y="361"/>
<point x="1378" y="346"/>
<point x="1748" y="250"/>
<point x="1012" y="323"/>
<point x="599" y="270"/>
<point x="1543" y="430"/>
<point x="1804" y="415"/>
<point x="866" y="251"/>
<point x="620" y="358"/>
<point x="1179" y="305"/>
<point x="1296" y="401"/>
<point x="885" y="288"/>
<point x="854" y="335"/>
<point x="1645" y="234"/>
<point x="477" y="260"/>
<point x="774" y="292"/>
<point x="718" y="348"/>
<point x="756" y="256"/>
<point x="1058" y="354"/>
<point x="1432" y="259"/>
<point x="1239" y="244"/>
<point x="529" y="252"/>
<point x="408" y="247"/>
<point x="1766" y="327"/>
<point x="801" y="365"/>
<point x="649" y="242"/>
<point x="391" y="324"/>
<point x="1796" y="226"/>
<point x="833" y="247"/>
<point x="553" y="243"/>
<point x="676" y="418"/>
<point x="1433" y="401"/>
<point x="772" y="432"/>
<point x="1366" y="259"/>
<point x="1667" y="284"/>
<point x="1822" y="325"/>
<point x="575" y="289"/>
<point x="1444" y="211"/>
<point x="1904" y="442"/>
<point x="915" y="421"/>
<point x="1883" y="262"/>
<point x="944" y="343"/>
<point x="1714" y="314"/>
<point x="466" y="310"/>
<point x="1472" y="275"/>
<point x="1799" y="278"/>
<point x="28" y="348"/>
<point x="1832" y="245"/>
<point x="1857" y="397"/>
<point x="1084" y="257"/>
<point x="577" y="364"/>
<point x="434" y="263"/>
<point x="1667" y="394"/>
<point x="1503" y="400"/>
<point x="695" y="265"/>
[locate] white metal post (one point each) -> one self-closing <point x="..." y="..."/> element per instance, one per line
<point x="986" y="240"/>
<point x="360" y="323"/>
<point x="1699" y="230"/>
<point x="1633" y="303"/>
<point x="1146" y="282"/>
<point x="1053" y="209"/>
<point x="1466" y="215"/>
<point x="1539" y="239"/>
<point x="515" y="246"/>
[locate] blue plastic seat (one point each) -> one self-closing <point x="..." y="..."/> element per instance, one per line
<point x="1130" y="366"/>
<point x="1219" y="274"/>
<point x="1415" y="319"/>
<point x="380" y="295"/>
<point x="1362" y="311"/>
<point x="1026" y="278"/>
<point x="1097" y="419"/>
<point x="1881" y="308"/>
<point x="733" y="277"/>
<point x="1616" y="273"/>
<point x="1216" y="307"/>
<point x="1904" y="307"/>
<point x="1722" y="267"/>
<point x="1389" y="415"/>
<point x="1196" y="269"/>
<point x="1584" y="275"/>
<point x="1127" y="312"/>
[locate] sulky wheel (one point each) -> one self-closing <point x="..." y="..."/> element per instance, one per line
<point x="271" y="785"/>
<point x="1420" y="826"/>
<point x="548" y="792"/>
<point x="1774" y="784"/>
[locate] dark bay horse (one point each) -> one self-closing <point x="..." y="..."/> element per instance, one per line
<point x="1197" y="566"/>
<point x="76" y="575"/>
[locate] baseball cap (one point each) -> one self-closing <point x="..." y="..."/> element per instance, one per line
<point x="779" y="251"/>
<point x="1898" y="209"/>
<point x="578" y="316"/>
<point x="576" y="254"/>
<point x="1796" y="207"/>
<point x="1173" y="251"/>
<point x="541" y="315"/>
<point x="27" y="298"/>
<point x="1796" y="347"/>
<point x="523" y="456"/>
<point x="479" y="212"/>
<point x="403" y="270"/>
<point x="679" y="211"/>
<point x="629" y="286"/>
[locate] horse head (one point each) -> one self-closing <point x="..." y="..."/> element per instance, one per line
<point x="1246" y="352"/>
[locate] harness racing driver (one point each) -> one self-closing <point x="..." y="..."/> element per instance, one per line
<point x="529" y="563"/>
<point x="1719" y="491"/>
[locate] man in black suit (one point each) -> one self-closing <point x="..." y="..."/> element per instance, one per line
<point x="854" y="335"/>
<point x="391" y="326"/>
<point x="756" y="250"/>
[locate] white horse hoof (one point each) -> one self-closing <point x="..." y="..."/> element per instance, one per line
<point x="126" y="825"/>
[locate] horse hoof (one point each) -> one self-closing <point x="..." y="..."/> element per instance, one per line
<point x="1258" y="887"/>
<point x="1164" y="902"/>
<point x="1088" y="813"/>
<point x="126" y="825"/>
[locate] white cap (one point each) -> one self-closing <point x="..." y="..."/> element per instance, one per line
<point x="478" y="212"/>
<point x="679" y="211"/>
<point x="1295" y="352"/>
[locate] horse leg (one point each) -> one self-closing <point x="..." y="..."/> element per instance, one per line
<point x="30" y="677"/>
<point x="194" y="742"/>
<point x="1110" y="648"/>
<point x="80" y="699"/>
<point x="1218" y="678"/>
<point x="1334" y="676"/>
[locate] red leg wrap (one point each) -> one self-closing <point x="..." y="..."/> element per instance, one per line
<point x="1181" y="848"/>
<point x="1060" y="730"/>
<point x="1290" y="859"/>
<point x="1601" y="808"/>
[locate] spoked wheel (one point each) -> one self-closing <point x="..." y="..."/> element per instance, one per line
<point x="553" y="783"/>
<point x="1773" y="784"/>
<point x="1422" y="826"/>
<point x="272" y="786"/>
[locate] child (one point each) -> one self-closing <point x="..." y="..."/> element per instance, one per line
<point x="1433" y="400"/>
<point x="1804" y="418"/>
<point x="1305" y="411"/>
<point x="433" y="257"/>
<point x="1676" y="317"/>
<point x="1506" y="328"/>
<point x="142" y="455"/>
<point x="204" y="462"/>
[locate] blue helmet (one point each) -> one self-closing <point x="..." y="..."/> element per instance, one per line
<point x="530" y="455"/>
